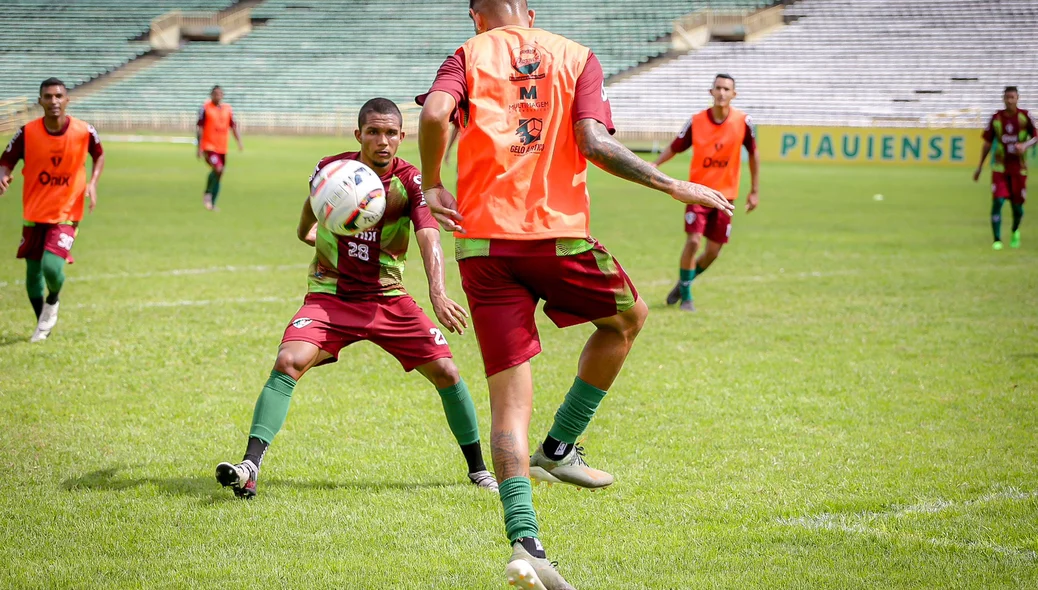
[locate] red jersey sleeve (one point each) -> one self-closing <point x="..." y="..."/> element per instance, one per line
<point x="201" y="117"/>
<point x="684" y="139"/>
<point x="989" y="131"/>
<point x="15" y="150"/>
<point x="590" y="100"/>
<point x="95" y="148"/>
<point x="450" y="78"/>
<point x="749" y="141"/>
<point x="421" y="217"/>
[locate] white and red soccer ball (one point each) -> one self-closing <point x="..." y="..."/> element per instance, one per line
<point x="347" y="197"/>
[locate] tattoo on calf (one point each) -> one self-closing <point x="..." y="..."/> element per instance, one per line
<point x="509" y="460"/>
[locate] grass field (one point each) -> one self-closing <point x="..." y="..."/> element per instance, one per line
<point x="854" y="405"/>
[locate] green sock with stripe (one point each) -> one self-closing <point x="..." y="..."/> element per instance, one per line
<point x="685" y="284"/>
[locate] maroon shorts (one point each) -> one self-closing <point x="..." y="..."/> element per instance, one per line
<point x="715" y="224"/>
<point x="503" y="292"/>
<point x="216" y="161"/>
<point x="56" y="238"/>
<point x="396" y="324"/>
<point x="1009" y="186"/>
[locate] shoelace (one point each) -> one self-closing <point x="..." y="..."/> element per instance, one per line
<point x="580" y="455"/>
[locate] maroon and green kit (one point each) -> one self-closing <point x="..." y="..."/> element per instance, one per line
<point x="1008" y="166"/>
<point x="355" y="285"/>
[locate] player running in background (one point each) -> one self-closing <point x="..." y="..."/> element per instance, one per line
<point x="215" y="118"/>
<point x="54" y="148"/>
<point x="532" y="110"/>
<point x="1010" y="132"/>
<point x="716" y="136"/>
<point x="356" y="293"/>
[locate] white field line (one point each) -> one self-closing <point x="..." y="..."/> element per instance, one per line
<point x="855" y="522"/>
<point x="176" y="272"/>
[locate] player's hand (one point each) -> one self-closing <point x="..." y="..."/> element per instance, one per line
<point x="241" y="148"/>
<point x="444" y="208"/>
<point x="976" y="175"/>
<point x="752" y="200"/>
<point x="91" y="193"/>
<point x="697" y="194"/>
<point x="451" y="315"/>
<point x="5" y="182"/>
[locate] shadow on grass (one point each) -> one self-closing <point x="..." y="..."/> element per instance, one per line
<point x="207" y="487"/>
<point x="9" y="339"/>
<point x="1018" y="356"/>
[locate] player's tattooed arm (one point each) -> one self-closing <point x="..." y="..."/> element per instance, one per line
<point x="306" y="231"/>
<point x="597" y="145"/>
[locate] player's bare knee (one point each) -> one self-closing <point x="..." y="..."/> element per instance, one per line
<point x="446" y="374"/>
<point x="636" y="317"/>
<point x="290" y="363"/>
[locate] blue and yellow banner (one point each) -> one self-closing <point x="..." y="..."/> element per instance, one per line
<point x="870" y="145"/>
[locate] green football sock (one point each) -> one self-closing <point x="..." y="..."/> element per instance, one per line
<point x="461" y="413"/>
<point x="517" y="500"/>
<point x="996" y="218"/>
<point x="53" y="267"/>
<point x="1018" y="215"/>
<point x="34" y="285"/>
<point x="272" y="407"/>
<point x="686" y="284"/>
<point x="216" y="187"/>
<point x="209" y="182"/>
<point x="576" y="411"/>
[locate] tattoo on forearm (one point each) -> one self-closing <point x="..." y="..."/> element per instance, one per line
<point x="597" y="145"/>
<point x="509" y="459"/>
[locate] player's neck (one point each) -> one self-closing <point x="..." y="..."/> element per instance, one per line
<point x="720" y="113"/>
<point x="380" y="170"/>
<point x="1010" y="111"/>
<point x="55" y="124"/>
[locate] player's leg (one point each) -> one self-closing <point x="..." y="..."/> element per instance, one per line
<point x="1019" y="196"/>
<point x="503" y="318"/>
<point x="35" y="285"/>
<point x="996" y="221"/>
<point x="218" y="168"/>
<point x="461" y="417"/>
<point x="587" y="287"/>
<point x="695" y="224"/>
<point x="57" y="247"/>
<point x="294" y="359"/>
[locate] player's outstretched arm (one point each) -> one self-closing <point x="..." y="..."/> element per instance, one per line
<point x="667" y="155"/>
<point x="983" y="156"/>
<point x="306" y="231"/>
<point x="451" y="315"/>
<point x="597" y="145"/>
<point x="753" y="199"/>
<point x="433" y="132"/>
<point x="5" y="179"/>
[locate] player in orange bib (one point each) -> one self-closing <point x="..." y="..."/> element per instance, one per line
<point x="716" y="136"/>
<point x="532" y="110"/>
<point x="215" y="119"/>
<point x="54" y="189"/>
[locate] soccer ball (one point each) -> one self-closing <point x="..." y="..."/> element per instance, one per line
<point x="347" y="197"/>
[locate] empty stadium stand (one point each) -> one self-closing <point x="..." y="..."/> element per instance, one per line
<point x="853" y="62"/>
<point x="76" y="40"/>
<point x="323" y="59"/>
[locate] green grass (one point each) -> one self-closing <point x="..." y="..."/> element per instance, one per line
<point x="854" y="405"/>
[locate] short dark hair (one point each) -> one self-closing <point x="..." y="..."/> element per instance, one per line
<point x="725" y="77"/>
<point x="379" y="106"/>
<point x="215" y="88"/>
<point x="51" y="82"/>
<point x="1011" y="89"/>
<point x="480" y="5"/>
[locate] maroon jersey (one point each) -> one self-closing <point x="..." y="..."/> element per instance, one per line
<point x="372" y="262"/>
<point x="1004" y="131"/>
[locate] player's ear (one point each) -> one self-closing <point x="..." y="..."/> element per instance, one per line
<point x="356" y="134"/>
<point x="403" y="135"/>
<point x="533" y="15"/>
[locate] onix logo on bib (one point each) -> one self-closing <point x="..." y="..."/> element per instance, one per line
<point x="47" y="180"/>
